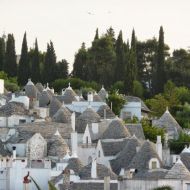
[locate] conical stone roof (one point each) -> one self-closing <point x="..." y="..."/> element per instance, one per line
<point x="103" y="93"/>
<point x="168" y="122"/>
<point x="178" y="171"/>
<point x="102" y="171"/>
<point x="87" y="117"/>
<point x="40" y="87"/>
<point x="44" y="99"/>
<point x="126" y="155"/>
<point x="141" y="160"/>
<point x="54" y="106"/>
<point x="63" y="115"/>
<point x="57" y="147"/>
<point x="108" y="112"/>
<point x="97" y="98"/>
<point x="75" y="164"/>
<point x="185" y="158"/>
<point x="31" y="90"/>
<point x="116" y="130"/>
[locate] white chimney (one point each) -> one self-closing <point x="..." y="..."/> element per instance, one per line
<point x="159" y="147"/>
<point x="73" y="121"/>
<point x="104" y="113"/>
<point x="1" y="86"/>
<point x="107" y="183"/>
<point x="14" y="152"/>
<point x="94" y="169"/>
<point x="74" y="143"/>
<point x="13" y="96"/>
<point x="90" y="97"/>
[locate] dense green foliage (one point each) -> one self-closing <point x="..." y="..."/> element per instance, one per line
<point x="10" y="65"/>
<point x="76" y="83"/>
<point x="176" y="146"/>
<point x="24" y="67"/>
<point x="10" y="82"/>
<point x="2" y="52"/>
<point x="163" y="188"/>
<point x="159" y="73"/>
<point x="51" y="186"/>
<point x="152" y="132"/>
<point x="40" y="66"/>
<point x="35" y="64"/>
<point x="116" y="102"/>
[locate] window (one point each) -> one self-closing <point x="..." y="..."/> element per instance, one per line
<point x="99" y="154"/>
<point x="22" y="121"/>
<point x="154" y="164"/>
<point x="87" y="140"/>
<point x="89" y="159"/>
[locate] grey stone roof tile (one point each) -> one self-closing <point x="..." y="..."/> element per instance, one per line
<point x="87" y="117"/>
<point x="102" y="171"/>
<point x="126" y="155"/>
<point x="137" y="130"/>
<point x="116" y="130"/>
<point x="108" y="112"/>
<point x="178" y="171"/>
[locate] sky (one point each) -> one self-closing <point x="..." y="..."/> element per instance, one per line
<point x="68" y="23"/>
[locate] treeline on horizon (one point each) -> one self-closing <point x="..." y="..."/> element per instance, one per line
<point x="128" y="65"/>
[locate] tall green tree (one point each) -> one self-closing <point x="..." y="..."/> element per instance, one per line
<point x="101" y="62"/>
<point x="24" y="65"/>
<point x="35" y="64"/>
<point x="96" y="35"/>
<point x="10" y="65"/>
<point x="80" y="63"/>
<point x="49" y="64"/>
<point x="2" y="53"/>
<point x="178" y="67"/>
<point x="159" y="73"/>
<point x="120" y="62"/>
<point x="61" y="69"/>
<point x="134" y="54"/>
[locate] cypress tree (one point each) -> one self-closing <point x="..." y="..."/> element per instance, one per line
<point x="96" y="35"/>
<point x="2" y="53"/>
<point x="62" y="69"/>
<point x="133" y="54"/>
<point x="10" y="65"/>
<point x="24" y="66"/>
<point x="119" y="70"/>
<point x="133" y="41"/>
<point x="35" y="64"/>
<point x="50" y="64"/>
<point x="80" y="62"/>
<point x="159" y="75"/>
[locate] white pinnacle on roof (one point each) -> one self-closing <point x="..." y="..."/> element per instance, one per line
<point x="57" y="133"/>
<point x="74" y="155"/>
<point x="186" y="149"/>
<point x="167" y="111"/>
<point x="30" y="82"/>
<point x="102" y="87"/>
<point x="69" y="87"/>
<point x="67" y="156"/>
<point x="47" y="87"/>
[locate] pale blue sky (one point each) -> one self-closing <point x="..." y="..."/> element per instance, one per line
<point x="68" y="24"/>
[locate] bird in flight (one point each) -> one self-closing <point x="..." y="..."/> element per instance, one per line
<point x="90" y="13"/>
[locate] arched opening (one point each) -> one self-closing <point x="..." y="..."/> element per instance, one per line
<point x="89" y="159"/>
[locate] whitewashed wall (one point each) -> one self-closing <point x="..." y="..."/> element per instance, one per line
<point x="14" y="120"/>
<point x="150" y="184"/>
<point x="41" y="176"/>
<point x="85" y="153"/>
<point x="1" y="86"/>
<point x="134" y="108"/>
